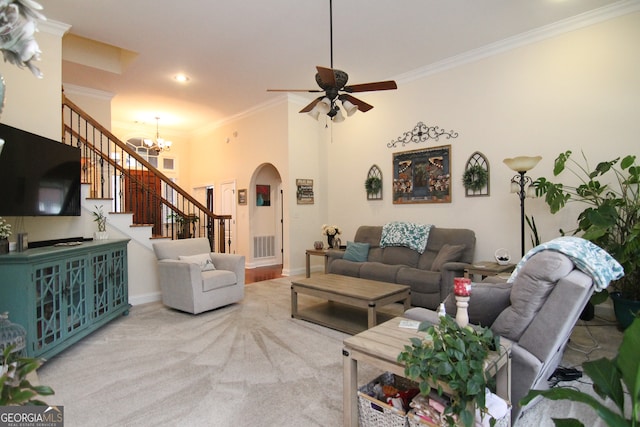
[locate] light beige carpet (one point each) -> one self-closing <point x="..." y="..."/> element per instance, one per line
<point x="247" y="364"/>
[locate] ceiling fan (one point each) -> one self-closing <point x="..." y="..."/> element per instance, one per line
<point x="333" y="83"/>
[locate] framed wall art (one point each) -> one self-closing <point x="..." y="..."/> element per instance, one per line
<point x="263" y="195"/>
<point x="422" y="176"/>
<point x="242" y="196"/>
<point x="304" y="193"/>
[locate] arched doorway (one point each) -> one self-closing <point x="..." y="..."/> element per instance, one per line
<point x="265" y="217"/>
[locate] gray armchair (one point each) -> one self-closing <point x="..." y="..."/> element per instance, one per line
<point x="194" y="279"/>
<point x="537" y="312"/>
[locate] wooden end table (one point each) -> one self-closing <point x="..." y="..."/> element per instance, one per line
<point x="380" y="346"/>
<point x="316" y="252"/>
<point x="487" y="268"/>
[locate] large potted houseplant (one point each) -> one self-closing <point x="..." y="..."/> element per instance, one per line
<point x="610" y="219"/>
<point x="184" y="224"/>
<point x="454" y="356"/>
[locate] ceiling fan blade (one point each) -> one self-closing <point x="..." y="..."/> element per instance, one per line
<point x="362" y="106"/>
<point x="295" y="90"/>
<point x="327" y="75"/>
<point x="310" y="106"/>
<point x="366" y="87"/>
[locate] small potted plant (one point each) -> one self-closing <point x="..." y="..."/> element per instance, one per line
<point x="101" y="220"/>
<point x="454" y="356"/>
<point x="15" y="388"/>
<point x="184" y="223"/>
<point x="5" y="232"/>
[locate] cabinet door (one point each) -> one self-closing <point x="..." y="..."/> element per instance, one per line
<point x="101" y="268"/>
<point x="119" y="277"/>
<point x="61" y="301"/>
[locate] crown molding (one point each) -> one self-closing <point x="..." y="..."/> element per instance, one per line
<point x="85" y="91"/>
<point x="53" y="27"/>
<point x="577" y="22"/>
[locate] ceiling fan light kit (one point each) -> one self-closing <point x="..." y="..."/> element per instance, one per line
<point x="333" y="83"/>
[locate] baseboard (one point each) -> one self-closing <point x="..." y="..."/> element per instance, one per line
<point x="144" y="299"/>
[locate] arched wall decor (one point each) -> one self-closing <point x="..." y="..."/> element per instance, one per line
<point x="476" y="177"/>
<point x="422" y="133"/>
<point x="373" y="183"/>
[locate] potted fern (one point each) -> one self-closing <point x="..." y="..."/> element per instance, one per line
<point x="610" y="219"/>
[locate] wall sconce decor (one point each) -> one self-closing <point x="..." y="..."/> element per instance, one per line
<point x="522" y="164"/>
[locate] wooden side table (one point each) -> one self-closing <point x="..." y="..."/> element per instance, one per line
<point x="316" y="252"/>
<point x="487" y="268"/>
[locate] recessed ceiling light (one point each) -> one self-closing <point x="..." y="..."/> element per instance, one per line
<point x="181" y="78"/>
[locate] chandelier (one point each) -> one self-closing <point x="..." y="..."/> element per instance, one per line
<point x="159" y="144"/>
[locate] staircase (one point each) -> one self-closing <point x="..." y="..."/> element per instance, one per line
<point x="136" y="194"/>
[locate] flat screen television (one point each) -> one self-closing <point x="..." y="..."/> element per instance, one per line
<point x="38" y="176"/>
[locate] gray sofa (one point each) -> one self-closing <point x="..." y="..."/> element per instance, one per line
<point x="537" y="312"/>
<point x="430" y="274"/>
<point x="194" y="279"/>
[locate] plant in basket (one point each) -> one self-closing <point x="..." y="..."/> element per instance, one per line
<point x="453" y="356"/>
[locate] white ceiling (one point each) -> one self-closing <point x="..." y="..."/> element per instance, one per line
<point x="234" y="50"/>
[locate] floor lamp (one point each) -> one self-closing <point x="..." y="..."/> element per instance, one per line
<point x="522" y="164"/>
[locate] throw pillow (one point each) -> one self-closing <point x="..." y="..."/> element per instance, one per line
<point x="357" y="252"/>
<point x="202" y="260"/>
<point x="448" y="253"/>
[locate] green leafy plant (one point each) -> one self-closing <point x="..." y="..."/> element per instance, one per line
<point x="100" y="218"/>
<point x="184" y="223"/>
<point x="15" y="389"/>
<point x="453" y="356"/>
<point x="610" y="377"/>
<point x="611" y="218"/>
<point x="373" y="185"/>
<point x="475" y="178"/>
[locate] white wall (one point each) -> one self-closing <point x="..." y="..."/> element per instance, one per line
<point x="577" y="91"/>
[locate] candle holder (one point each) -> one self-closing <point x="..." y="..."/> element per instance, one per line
<point x="462" y="290"/>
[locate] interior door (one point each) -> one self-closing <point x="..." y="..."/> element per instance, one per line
<point x="142" y="197"/>
<point x="228" y="202"/>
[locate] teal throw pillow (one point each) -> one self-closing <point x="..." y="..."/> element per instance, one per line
<point x="357" y="252"/>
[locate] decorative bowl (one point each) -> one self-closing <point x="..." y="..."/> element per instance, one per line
<point x="502" y="256"/>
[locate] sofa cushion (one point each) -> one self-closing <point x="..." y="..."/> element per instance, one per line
<point x="379" y="271"/>
<point x="202" y="260"/>
<point x="345" y="267"/>
<point x="448" y="253"/>
<point x="530" y="290"/>
<point x="487" y="301"/>
<point x="411" y="235"/>
<point x="424" y="281"/>
<point x="400" y="256"/>
<point x="216" y="279"/>
<point x="357" y="252"/>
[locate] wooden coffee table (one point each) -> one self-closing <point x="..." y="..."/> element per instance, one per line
<point x="347" y="297"/>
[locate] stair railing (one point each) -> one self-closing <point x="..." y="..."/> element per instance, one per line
<point x="118" y="172"/>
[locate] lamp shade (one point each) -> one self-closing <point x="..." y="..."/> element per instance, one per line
<point x="522" y="163"/>
<point x="339" y="117"/>
<point x="324" y="106"/>
<point x="315" y="112"/>
<point x="349" y="107"/>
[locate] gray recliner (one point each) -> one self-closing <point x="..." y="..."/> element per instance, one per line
<point x="194" y="279"/>
<point x="537" y="312"/>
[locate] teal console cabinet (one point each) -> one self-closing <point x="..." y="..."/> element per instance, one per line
<point x="60" y="294"/>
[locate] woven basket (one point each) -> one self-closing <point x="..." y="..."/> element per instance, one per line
<point x="375" y="413"/>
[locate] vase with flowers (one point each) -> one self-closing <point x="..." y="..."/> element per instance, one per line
<point x="331" y="231"/>
<point x="5" y="232"/>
